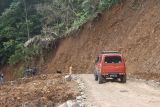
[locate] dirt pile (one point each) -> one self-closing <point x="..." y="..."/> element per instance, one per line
<point x="39" y="91"/>
<point x="133" y="28"/>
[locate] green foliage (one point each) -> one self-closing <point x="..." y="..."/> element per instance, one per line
<point x="13" y="32"/>
<point x="7" y="50"/>
<point x="4" y="4"/>
<point x="23" y="54"/>
<point x="18" y="55"/>
<point x="41" y="17"/>
<point x="65" y="15"/>
<point x="103" y="4"/>
<point x="80" y="20"/>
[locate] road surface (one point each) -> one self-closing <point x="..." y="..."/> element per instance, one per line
<point x="134" y="93"/>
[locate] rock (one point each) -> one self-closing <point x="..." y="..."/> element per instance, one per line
<point x="79" y="101"/>
<point x="63" y="105"/>
<point x="82" y="105"/>
<point x="81" y="90"/>
<point x="82" y="87"/>
<point x="82" y="93"/>
<point x="79" y="98"/>
<point x="83" y="96"/>
<point x="43" y="77"/>
<point x="68" y="78"/>
<point x="27" y="104"/>
<point x="72" y="104"/>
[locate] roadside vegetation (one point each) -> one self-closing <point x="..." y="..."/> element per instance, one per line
<point x="25" y="19"/>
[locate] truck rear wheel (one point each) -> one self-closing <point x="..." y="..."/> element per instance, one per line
<point x="96" y="77"/>
<point x="123" y="79"/>
<point x="100" y="79"/>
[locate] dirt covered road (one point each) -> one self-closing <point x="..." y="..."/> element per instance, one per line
<point x="134" y="93"/>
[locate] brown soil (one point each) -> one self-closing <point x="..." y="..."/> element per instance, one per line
<point x="44" y="90"/>
<point x="133" y="28"/>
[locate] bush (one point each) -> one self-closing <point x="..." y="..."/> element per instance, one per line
<point x="56" y="17"/>
<point x="24" y="54"/>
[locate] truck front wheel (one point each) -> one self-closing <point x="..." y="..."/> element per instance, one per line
<point x="100" y="79"/>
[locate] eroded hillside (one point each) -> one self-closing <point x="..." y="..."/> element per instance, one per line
<point x="132" y="28"/>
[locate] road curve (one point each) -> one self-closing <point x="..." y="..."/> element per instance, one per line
<point x="113" y="94"/>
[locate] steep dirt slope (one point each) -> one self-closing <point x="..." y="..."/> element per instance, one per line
<point x="132" y="28"/>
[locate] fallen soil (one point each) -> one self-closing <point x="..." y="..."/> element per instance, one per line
<point x="132" y="27"/>
<point x="134" y="93"/>
<point x="40" y="91"/>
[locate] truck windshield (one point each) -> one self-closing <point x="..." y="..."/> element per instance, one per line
<point x="112" y="59"/>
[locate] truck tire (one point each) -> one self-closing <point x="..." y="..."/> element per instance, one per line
<point x="96" y="77"/>
<point x="100" y="79"/>
<point x="123" y="79"/>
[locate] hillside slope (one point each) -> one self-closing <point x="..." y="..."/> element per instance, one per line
<point x="132" y="28"/>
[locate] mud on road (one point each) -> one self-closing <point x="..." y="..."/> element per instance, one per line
<point x="134" y="93"/>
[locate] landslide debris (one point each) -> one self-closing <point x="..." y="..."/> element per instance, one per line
<point x="43" y="90"/>
<point x="132" y="28"/>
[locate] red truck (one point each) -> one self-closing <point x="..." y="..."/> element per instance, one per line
<point x="110" y="64"/>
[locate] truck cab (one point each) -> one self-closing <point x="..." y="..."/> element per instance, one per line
<point x="110" y="64"/>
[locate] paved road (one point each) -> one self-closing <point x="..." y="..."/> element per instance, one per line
<point x="113" y="94"/>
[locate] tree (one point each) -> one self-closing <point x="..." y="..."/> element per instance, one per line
<point x="13" y="28"/>
<point x="4" y="4"/>
<point x="26" y="18"/>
